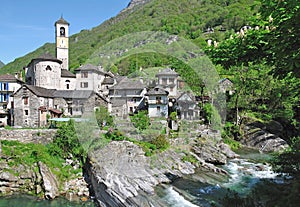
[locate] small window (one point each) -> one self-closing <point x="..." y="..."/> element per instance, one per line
<point x="48" y="67"/>
<point x="84" y="84"/>
<point x="84" y="74"/>
<point x="158" y="108"/>
<point x="25" y="100"/>
<point x="68" y="86"/>
<point x="158" y="100"/>
<point x="26" y="112"/>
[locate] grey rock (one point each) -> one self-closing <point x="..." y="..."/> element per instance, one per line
<point x="50" y="184"/>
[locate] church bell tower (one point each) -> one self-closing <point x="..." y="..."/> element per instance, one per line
<point x="62" y="42"/>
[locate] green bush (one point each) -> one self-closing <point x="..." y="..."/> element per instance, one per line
<point x="161" y="142"/>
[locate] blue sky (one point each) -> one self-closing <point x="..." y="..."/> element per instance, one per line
<point x="25" y="25"/>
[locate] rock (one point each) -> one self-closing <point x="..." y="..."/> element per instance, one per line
<point x="261" y="139"/>
<point x="274" y="127"/>
<point x="50" y="184"/>
<point x="124" y="176"/>
<point x="225" y="149"/>
<point x="7" y="176"/>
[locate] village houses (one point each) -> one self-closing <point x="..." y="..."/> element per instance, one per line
<point x="52" y="91"/>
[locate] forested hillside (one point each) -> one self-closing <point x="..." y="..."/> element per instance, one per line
<point x="187" y="18"/>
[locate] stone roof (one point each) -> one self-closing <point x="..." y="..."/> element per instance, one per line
<point x="62" y="21"/>
<point x="108" y="81"/>
<point x="118" y="102"/>
<point x="9" y="78"/>
<point x="46" y="57"/>
<point x="67" y="74"/>
<point x="127" y="83"/>
<point x="41" y="92"/>
<point x="73" y="94"/>
<point x="157" y="91"/>
<point x="90" y="67"/>
<point x="167" y="71"/>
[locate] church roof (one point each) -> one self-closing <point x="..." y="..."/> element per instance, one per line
<point x="67" y="74"/>
<point x="46" y="57"/>
<point x="62" y="21"/>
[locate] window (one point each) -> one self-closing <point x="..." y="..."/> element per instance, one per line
<point x="84" y="84"/>
<point x="171" y="89"/>
<point x="158" y="109"/>
<point x="84" y="74"/>
<point x="67" y="84"/>
<point x="158" y="100"/>
<point x="164" y="81"/>
<point x="171" y="80"/>
<point x="48" y="67"/>
<point x="26" y="112"/>
<point x="25" y="100"/>
<point x="5" y="97"/>
<point x="5" y="86"/>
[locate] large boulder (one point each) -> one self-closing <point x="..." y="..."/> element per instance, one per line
<point x="49" y="180"/>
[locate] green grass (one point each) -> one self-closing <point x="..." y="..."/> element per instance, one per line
<point x="29" y="154"/>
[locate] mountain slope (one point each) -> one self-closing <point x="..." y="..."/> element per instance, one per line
<point x="188" y="18"/>
<point x="1" y="64"/>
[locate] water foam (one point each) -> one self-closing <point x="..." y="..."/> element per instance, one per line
<point x="174" y="199"/>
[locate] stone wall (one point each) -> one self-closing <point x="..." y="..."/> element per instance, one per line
<point x="42" y="136"/>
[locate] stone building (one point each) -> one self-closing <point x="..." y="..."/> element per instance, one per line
<point x="90" y="77"/>
<point x="34" y="105"/>
<point x="130" y="92"/>
<point x="168" y="79"/>
<point x="158" y="102"/>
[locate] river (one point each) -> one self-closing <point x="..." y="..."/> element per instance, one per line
<point x="203" y="189"/>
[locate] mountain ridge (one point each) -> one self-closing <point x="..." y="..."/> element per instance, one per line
<point x="187" y="18"/>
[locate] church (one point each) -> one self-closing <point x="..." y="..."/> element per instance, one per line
<point x="52" y="91"/>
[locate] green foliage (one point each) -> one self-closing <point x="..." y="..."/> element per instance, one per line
<point x="29" y="154"/>
<point x="173" y="115"/>
<point x="186" y="18"/>
<point x="141" y="120"/>
<point x="289" y="160"/>
<point x="66" y="142"/>
<point x="114" y="135"/>
<point x="161" y="142"/>
<point x="211" y="116"/>
<point x="189" y="158"/>
<point x="103" y="117"/>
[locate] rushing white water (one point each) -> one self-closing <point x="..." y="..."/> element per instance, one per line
<point x="174" y="199"/>
<point x="244" y="174"/>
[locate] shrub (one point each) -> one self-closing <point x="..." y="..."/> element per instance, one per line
<point x="161" y="142"/>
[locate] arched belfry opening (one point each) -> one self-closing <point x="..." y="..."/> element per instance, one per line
<point x="62" y="31"/>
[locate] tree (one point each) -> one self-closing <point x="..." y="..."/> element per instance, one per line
<point x="141" y="121"/>
<point x="103" y="117"/>
<point x="289" y="161"/>
<point x="284" y="37"/>
<point x="67" y="141"/>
